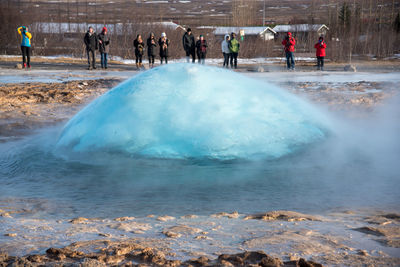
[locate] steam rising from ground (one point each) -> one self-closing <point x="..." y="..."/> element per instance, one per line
<point x="185" y="111"/>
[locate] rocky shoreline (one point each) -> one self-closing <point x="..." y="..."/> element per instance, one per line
<point x="134" y="254"/>
<point x="191" y="240"/>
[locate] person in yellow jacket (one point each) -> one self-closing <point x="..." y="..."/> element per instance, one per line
<point x="25" y="46"/>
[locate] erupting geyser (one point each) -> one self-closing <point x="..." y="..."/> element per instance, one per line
<point x="190" y="111"/>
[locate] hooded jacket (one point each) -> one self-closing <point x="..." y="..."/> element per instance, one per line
<point x="320" y="46"/>
<point x="289" y="43"/>
<point x="225" y="45"/>
<point x="25" y="37"/>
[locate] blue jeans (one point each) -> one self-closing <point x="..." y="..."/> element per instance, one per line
<point x="290" y="60"/>
<point x="104" y="60"/>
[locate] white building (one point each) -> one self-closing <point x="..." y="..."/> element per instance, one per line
<point x="265" y="33"/>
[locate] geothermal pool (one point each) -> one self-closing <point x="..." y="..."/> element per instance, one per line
<point x="225" y="150"/>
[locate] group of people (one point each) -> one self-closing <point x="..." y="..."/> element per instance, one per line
<point x="163" y="43"/>
<point x="101" y="42"/>
<point x="230" y="47"/>
<point x="193" y="48"/>
<point x="289" y="43"/>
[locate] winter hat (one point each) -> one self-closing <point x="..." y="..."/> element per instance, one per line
<point x="201" y="35"/>
<point x="163" y="34"/>
<point x="104" y="29"/>
<point x="289" y="33"/>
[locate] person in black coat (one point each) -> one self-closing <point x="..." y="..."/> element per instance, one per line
<point x="104" y="47"/>
<point x="139" y="50"/>
<point x="188" y="43"/>
<point x="151" y="47"/>
<point x="163" y="42"/>
<point x="201" y="48"/>
<point x="91" y="43"/>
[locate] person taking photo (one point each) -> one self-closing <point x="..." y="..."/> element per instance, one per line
<point x="26" y="37"/>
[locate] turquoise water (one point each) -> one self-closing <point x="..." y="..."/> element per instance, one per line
<point x="313" y="180"/>
<point x="193" y="111"/>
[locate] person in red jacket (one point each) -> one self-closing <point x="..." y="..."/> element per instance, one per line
<point x="320" y="53"/>
<point x="289" y="43"/>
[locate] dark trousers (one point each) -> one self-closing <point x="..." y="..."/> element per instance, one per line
<point x="104" y="60"/>
<point x="91" y="57"/>
<point x="233" y="59"/>
<point x="139" y="58"/>
<point x="202" y="57"/>
<point x="320" y="63"/>
<point x="290" y="60"/>
<point x="190" y="53"/>
<point x="151" y="59"/>
<point x="26" y="55"/>
<point x="166" y="59"/>
<point x="226" y="59"/>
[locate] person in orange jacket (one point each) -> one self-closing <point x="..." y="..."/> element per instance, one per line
<point x="320" y="52"/>
<point x="25" y="46"/>
<point x="289" y="43"/>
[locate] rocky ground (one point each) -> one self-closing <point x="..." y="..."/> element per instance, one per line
<point x="27" y="106"/>
<point x="172" y="240"/>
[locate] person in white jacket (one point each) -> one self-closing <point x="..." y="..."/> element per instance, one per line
<point x="226" y="51"/>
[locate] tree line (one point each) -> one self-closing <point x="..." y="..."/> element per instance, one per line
<point x="357" y="28"/>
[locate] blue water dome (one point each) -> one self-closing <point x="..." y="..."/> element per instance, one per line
<point x="194" y="111"/>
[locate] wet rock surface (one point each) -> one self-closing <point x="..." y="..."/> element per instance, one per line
<point x="344" y="96"/>
<point x="133" y="254"/>
<point x="384" y="228"/>
<point x="283" y="215"/>
<point x="27" y="106"/>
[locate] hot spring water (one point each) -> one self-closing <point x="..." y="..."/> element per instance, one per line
<point x="187" y="139"/>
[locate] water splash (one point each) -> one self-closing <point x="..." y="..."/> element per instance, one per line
<point x="192" y="111"/>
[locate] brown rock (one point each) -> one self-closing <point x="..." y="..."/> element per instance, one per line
<point x="179" y="230"/>
<point x="3" y="257"/>
<point x="232" y="215"/>
<point x="11" y="234"/>
<point x="122" y="219"/>
<point x="303" y="263"/>
<point x="79" y="220"/>
<point x="351" y="68"/>
<point x="36" y="258"/>
<point x="165" y="218"/>
<point x="370" y="231"/>
<point x="114" y="259"/>
<point x="270" y="262"/>
<point x="283" y="215"/>
<point x="199" y="262"/>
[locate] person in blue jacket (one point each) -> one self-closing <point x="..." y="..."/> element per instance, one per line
<point x="26" y="37"/>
